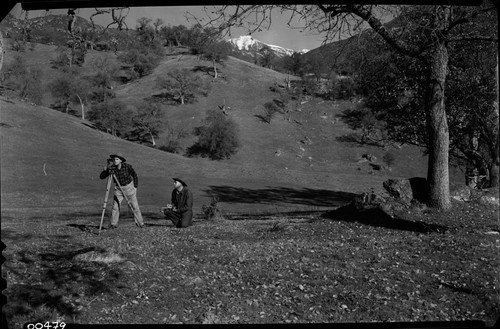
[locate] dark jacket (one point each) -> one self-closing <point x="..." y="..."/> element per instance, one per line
<point x="182" y="200"/>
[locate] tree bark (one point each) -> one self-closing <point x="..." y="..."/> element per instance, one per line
<point x="494" y="174"/>
<point x="83" y="108"/>
<point x="215" y="69"/>
<point x="437" y="126"/>
<point x="152" y="138"/>
<point x="493" y="170"/>
<point x="1" y="51"/>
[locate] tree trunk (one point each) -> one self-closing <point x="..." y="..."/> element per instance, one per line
<point x="437" y="126"/>
<point x="83" y="108"/>
<point x="1" y="51"/>
<point x="152" y="138"/>
<point x="493" y="171"/>
<point x="215" y="69"/>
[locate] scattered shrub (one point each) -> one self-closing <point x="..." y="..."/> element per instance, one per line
<point x="171" y="140"/>
<point x="171" y="146"/>
<point x="212" y="211"/>
<point x="342" y="88"/>
<point x="270" y="109"/>
<point x="277" y="227"/>
<point x="217" y="139"/>
<point x="61" y="61"/>
<point x="362" y="119"/>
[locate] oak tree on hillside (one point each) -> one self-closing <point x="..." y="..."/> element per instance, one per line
<point x="173" y="35"/>
<point x="145" y="50"/>
<point x="267" y="57"/>
<point x="68" y="87"/>
<point x="25" y="80"/>
<point x="216" y="52"/>
<point x="426" y="38"/>
<point x="112" y="115"/>
<point x="182" y="85"/>
<point x="102" y="74"/>
<point x="147" y="122"/>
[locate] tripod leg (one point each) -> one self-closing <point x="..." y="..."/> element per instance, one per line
<point x="136" y="220"/>
<point x="105" y="202"/>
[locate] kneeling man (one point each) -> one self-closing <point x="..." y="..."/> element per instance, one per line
<point x="180" y="212"/>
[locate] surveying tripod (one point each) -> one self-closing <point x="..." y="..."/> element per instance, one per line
<point x="111" y="177"/>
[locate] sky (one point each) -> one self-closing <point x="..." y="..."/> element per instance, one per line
<point x="279" y="34"/>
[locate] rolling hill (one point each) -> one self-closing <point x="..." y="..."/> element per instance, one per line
<point x="50" y="159"/>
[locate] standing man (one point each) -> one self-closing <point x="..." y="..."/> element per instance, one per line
<point x="180" y="212"/>
<point x="129" y="181"/>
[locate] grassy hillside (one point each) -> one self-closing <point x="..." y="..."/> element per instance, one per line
<point x="246" y="88"/>
<point x="293" y="155"/>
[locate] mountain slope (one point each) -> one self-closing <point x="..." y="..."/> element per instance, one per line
<point x="248" y="44"/>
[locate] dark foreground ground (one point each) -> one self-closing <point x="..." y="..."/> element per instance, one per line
<point x="276" y="268"/>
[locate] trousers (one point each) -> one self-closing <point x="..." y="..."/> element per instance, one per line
<point x="179" y="220"/>
<point x="131" y="193"/>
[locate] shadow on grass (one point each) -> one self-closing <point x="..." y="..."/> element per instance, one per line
<point x="305" y="196"/>
<point x="12" y="235"/>
<point x="355" y="140"/>
<point x="55" y="283"/>
<point x="378" y="218"/>
<point x="263" y="118"/>
<point x="203" y="68"/>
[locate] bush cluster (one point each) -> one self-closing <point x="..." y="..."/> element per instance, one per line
<point x="217" y="138"/>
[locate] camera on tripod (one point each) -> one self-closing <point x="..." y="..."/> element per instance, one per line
<point x="111" y="164"/>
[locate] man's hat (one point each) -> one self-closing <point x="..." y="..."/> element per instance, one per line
<point x="118" y="155"/>
<point x="180" y="181"/>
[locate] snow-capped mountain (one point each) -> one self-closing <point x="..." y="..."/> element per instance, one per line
<point x="248" y="43"/>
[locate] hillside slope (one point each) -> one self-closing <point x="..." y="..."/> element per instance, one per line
<point x="50" y="159"/>
<point x="304" y="140"/>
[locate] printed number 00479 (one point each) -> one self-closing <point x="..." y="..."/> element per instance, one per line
<point x="46" y="325"/>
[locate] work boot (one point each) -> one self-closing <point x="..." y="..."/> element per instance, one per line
<point x="112" y="227"/>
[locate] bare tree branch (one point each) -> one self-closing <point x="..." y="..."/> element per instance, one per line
<point x="116" y="14"/>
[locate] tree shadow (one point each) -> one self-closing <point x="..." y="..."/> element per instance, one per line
<point x="262" y="118"/>
<point x="272" y="195"/>
<point x="61" y="280"/>
<point x="93" y="229"/>
<point x="203" y="68"/>
<point x="272" y="215"/>
<point x="12" y="235"/>
<point x="197" y="150"/>
<point x="91" y="125"/>
<point x="379" y="218"/>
